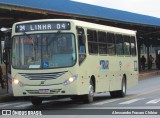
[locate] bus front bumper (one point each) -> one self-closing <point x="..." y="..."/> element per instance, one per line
<point x="45" y="90"/>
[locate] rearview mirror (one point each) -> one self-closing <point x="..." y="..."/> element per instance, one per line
<point x="7" y="42"/>
<point x="5" y="58"/>
<point x="3" y="29"/>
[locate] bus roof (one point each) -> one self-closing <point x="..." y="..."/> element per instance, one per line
<point x="103" y="27"/>
<point x="87" y="25"/>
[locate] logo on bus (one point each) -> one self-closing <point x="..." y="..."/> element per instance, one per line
<point x="42" y="82"/>
<point x="104" y="65"/>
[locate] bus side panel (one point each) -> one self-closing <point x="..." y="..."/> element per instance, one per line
<point x="123" y="67"/>
<point x="90" y="68"/>
<point x="115" y="73"/>
<point x="132" y="77"/>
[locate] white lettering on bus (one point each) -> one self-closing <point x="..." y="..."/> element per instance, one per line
<point x="31" y="28"/>
<point x="49" y="26"/>
<point x="44" y="27"/>
<point x="40" y="27"/>
<point x="22" y="27"/>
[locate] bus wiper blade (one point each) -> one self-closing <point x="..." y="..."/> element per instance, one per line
<point x="56" y="35"/>
<point x="28" y="36"/>
<point x="58" y="32"/>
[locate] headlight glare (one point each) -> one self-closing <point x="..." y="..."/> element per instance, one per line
<point x="70" y="80"/>
<point x="16" y="81"/>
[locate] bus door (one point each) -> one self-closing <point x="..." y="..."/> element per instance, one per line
<point x="81" y="44"/>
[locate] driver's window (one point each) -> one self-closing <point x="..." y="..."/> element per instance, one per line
<point x="81" y="44"/>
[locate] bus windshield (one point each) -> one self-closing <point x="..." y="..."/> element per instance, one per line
<point x="37" y="51"/>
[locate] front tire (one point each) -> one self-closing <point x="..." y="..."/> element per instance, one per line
<point x="89" y="98"/>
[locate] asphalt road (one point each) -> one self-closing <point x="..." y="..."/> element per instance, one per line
<point x="143" y="98"/>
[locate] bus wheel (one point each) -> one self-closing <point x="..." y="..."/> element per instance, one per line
<point x="119" y="93"/>
<point x="89" y="97"/>
<point x="36" y="101"/>
<point x="122" y="92"/>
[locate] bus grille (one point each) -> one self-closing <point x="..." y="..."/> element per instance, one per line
<point x="54" y="91"/>
<point x="42" y="76"/>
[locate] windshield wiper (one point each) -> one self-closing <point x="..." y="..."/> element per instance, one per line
<point x="56" y="35"/>
<point x="28" y="36"/>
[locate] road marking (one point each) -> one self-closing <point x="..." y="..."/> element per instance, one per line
<point x="153" y="101"/>
<point x="5" y="105"/>
<point x="29" y="104"/>
<point x="131" y="101"/>
<point x="105" y="102"/>
<point x="115" y="107"/>
<point x="144" y="93"/>
<point x="24" y="105"/>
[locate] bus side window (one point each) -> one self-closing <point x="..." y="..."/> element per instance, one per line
<point x="81" y="44"/>
<point x="111" y="44"/>
<point x="102" y="42"/>
<point x="126" y="44"/>
<point x="92" y="41"/>
<point x="119" y="44"/>
<point x="133" y="46"/>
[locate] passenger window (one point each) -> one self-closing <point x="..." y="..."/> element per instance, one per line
<point x="81" y="44"/>
<point x="119" y="44"/>
<point x="133" y="46"/>
<point x="126" y="44"/>
<point x="102" y="42"/>
<point x="92" y="42"/>
<point x="110" y="44"/>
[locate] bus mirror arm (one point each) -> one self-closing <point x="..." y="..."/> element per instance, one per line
<point x="7" y="42"/>
<point x="5" y="57"/>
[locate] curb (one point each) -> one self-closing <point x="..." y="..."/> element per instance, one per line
<point x="149" y="74"/>
<point x="7" y="97"/>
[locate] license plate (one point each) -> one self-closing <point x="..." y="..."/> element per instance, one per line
<point x="44" y="91"/>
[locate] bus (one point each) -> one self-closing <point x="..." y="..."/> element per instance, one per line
<point x="71" y="58"/>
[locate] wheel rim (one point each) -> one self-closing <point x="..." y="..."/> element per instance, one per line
<point x="124" y="87"/>
<point x="91" y="90"/>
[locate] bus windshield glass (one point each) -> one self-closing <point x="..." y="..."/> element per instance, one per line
<point x="37" y="51"/>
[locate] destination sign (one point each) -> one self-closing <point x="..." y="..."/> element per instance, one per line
<point x="42" y="26"/>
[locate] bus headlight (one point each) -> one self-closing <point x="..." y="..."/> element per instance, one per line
<point x="16" y="81"/>
<point x="70" y="80"/>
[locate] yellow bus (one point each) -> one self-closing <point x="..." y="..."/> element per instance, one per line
<point x="72" y="58"/>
